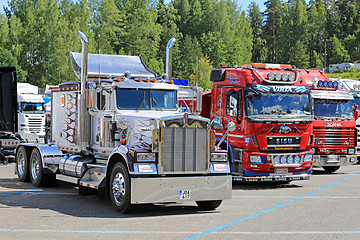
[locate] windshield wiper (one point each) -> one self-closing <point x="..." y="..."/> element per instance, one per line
<point x="141" y="103"/>
<point x="154" y="101"/>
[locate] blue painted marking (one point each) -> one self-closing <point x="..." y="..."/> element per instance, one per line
<point x="35" y="190"/>
<point x="269" y="209"/>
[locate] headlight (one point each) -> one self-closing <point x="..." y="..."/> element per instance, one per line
<point x="218" y="157"/>
<point x="351" y="150"/>
<point x="283" y="159"/>
<point x="296" y="159"/>
<point x="276" y="160"/>
<point x="308" y="158"/>
<point x="255" y="159"/>
<point x="290" y="160"/>
<point x="146" y="157"/>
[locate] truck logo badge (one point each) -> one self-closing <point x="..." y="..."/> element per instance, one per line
<point x="333" y="124"/>
<point x="232" y="79"/>
<point x="284" y="129"/>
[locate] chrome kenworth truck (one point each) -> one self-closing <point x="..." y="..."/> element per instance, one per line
<point x="119" y="131"/>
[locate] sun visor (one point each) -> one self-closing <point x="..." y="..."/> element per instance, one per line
<point x="111" y="66"/>
<point x="338" y="95"/>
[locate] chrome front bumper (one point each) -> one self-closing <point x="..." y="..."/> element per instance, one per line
<point x="179" y="189"/>
<point x="272" y="178"/>
<point x="334" y="160"/>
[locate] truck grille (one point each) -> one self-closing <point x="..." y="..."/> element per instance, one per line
<point x="184" y="150"/>
<point x="334" y="138"/>
<point x="35" y="125"/>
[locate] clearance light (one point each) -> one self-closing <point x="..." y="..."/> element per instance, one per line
<point x="154" y="80"/>
<point x="148" y="80"/>
<point x="172" y="81"/>
<point x="140" y="79"/>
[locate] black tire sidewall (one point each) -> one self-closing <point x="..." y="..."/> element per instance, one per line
<point x="124" y="206"/>
<point x="39" y="181"/>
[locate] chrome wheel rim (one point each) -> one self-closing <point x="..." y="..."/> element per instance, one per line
<point x="21" y="163"/>
<point x="118" y="188"/>
<point x="35" y="167"/>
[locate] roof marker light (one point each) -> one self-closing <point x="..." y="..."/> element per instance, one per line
<point x="271" y="76"/>
<point x="285" y="77"/>
<point x="278" y="76"/>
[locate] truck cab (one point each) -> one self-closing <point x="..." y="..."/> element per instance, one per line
<point x="120" y="132"/>
<point x="31" y="110"/>
<point x="272" y="111"/>
<point x="334" y="124"/>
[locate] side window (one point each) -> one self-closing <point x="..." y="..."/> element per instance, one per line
<point x="231" y="105"/>
<point x="104" y="99"/>
<point x="234" y="104"/>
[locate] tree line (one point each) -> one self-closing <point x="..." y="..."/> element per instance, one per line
<point x="36" y="36"/>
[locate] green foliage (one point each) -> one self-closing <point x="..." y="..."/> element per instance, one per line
<point x="37" y="35"/>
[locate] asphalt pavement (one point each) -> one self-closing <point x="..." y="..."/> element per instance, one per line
<point x="325" y="207"/>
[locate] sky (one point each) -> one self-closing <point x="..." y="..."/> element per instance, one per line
<point x="243" y="3"/>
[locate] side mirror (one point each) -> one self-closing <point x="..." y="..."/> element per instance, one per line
<point x="231" y="126"/>
<point x="93" y="99"/>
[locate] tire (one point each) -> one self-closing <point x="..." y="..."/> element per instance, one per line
<point x="119" y="187"/>
<point x="37" y="176"/>
<point x="209" y="205"/>
<point x="331" y="169"/>
<point x="22" y="164"/>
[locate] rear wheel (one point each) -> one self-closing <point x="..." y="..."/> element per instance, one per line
<point x="209" y="205"/>
<point x="331" y="169"/>
<point x="22" y="164"/>
<point x="37" y="176"/>
<point x="119" y="187"/>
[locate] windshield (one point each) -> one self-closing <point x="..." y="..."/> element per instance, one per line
<point x="333" y="108"/>
<point x="132" y="98"/>
<point x="27" y="107"/>
<point x="276" y="105"/>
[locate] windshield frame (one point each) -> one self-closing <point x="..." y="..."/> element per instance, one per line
<point x="148" y="99"/>
<point x="277" y="117"/>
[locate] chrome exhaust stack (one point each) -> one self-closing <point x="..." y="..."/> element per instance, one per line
<point x="169" y="45"/>
<point x="83" y="119"/>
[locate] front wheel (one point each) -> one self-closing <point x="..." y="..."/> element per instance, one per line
<point x="22" y="164"/>
<point x="331" y="169"/>
<point x="120" y="188"/>
<point x="209" y="205"/>
<point x="37" y="176"/>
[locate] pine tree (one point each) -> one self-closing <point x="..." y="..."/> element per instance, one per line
<point x="271" y="28"/>
<point x="256" y="23"/>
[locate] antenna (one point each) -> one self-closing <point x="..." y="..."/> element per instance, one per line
<point x="197" y="61"/>
<point x="99" y="59"/>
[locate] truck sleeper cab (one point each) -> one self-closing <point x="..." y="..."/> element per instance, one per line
<point x="123" y="135"/>
<point x="272" y="112"/>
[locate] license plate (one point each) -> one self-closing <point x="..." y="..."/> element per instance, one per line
<point x="281" y="170"/>
<point x="184" y="194"/>
<point x="333" y="158"/>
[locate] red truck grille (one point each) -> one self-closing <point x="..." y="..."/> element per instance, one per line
<point x="334" y="138"/>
